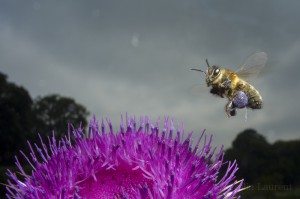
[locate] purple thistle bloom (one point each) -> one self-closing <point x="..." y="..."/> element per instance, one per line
<point x="135" y="162"/>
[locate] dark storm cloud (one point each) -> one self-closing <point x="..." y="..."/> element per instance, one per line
<point x="136" y="55"/>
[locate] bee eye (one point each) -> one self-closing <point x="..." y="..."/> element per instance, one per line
<point x="216" y="72"/>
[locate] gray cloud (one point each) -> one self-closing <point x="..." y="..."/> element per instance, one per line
<point x="134" y="56"/>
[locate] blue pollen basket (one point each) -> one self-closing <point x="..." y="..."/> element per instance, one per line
<point x="240" y="100"/>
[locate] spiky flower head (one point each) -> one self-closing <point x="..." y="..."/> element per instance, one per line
<point x="138" y="161"/>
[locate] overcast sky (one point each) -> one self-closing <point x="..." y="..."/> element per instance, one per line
<point x="134" y="56"/>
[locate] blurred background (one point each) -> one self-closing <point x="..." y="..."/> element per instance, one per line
<point x="65" y="61"/>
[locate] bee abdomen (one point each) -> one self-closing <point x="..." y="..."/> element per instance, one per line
<point x="254" y="98"/>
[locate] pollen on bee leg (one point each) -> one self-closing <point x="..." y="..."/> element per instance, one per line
<point x="240" y="100"/>
<point x="230" y="109"/>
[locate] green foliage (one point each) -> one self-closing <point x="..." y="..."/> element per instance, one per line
<point x="21" y="119"/>
<point x="264" y="164"/>
<point x="16" y="119"/>
<point x="288" y="154"/>
<point x="252" y="153"/>
<point x="54" y="113"/>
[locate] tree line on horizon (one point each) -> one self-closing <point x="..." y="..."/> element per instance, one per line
<point x="270" y="170"/>
<point x="21" y="117"/>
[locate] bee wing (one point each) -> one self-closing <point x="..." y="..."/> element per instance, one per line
<point x="252" y="66"/>
<point x="198" y="89"/>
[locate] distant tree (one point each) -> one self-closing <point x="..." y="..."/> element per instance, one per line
<point x="15" y="119"/>
<point x="264" y="163"/>
<point x="253" y="154"/>
<point x="288" y="161"/>
<point x="54" y="112"/>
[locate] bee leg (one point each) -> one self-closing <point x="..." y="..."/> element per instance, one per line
<point x="233" y="112"/>
<point x="227" y="83"/>
<point x="230" y="109"/>
<point x="217" y="91"/>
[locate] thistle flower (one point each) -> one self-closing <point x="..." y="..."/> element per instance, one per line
<point x="135" y="162"/>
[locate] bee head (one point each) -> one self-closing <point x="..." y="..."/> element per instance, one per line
<point x="212" y="73"/>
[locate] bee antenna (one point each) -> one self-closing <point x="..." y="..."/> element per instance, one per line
<point x="198" y="70"/>
<point x="207" y="63"/>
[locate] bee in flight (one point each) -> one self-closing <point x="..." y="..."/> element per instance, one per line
<point x="234" y="85"/>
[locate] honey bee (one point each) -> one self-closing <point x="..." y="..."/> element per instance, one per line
<point x="234" y="85"/>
